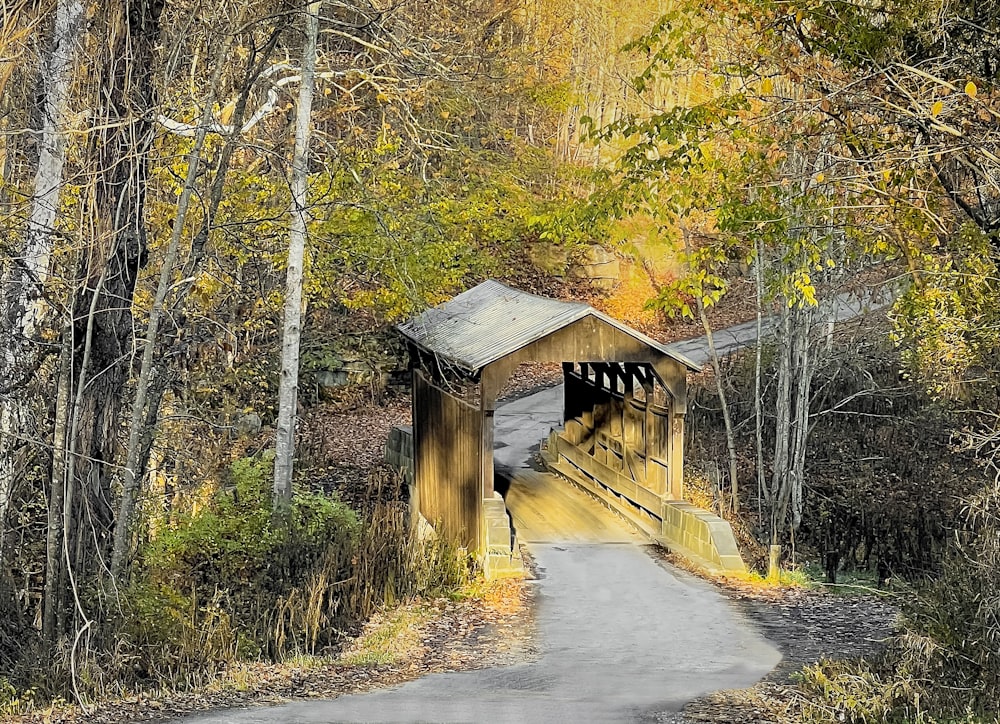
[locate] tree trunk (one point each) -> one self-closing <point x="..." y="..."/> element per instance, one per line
<point x="782" y="424"/>
<point x="724" y="403"/>
<point x="795" y="370"/>
<point x="130" y="473"/>
<point x="721" y="389"/>
<point x="803" y="371"/>
<point x="23" y="304"/>
<point x="53" y="596"/>
<point x="109" y="270"/>
<point x="763" y="493"/>
<point x="292" y="328"/>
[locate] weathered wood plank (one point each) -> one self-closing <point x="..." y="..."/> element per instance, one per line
<point x="631" y="489"/>
<point x="448" y="450"/>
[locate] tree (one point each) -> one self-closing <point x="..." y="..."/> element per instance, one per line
<point x="927" y="81"/>
<point x="98" y="322"/>
<point x="739" y="167"/>
<point x="25" y="309"/>
<point x="292" y="329"/>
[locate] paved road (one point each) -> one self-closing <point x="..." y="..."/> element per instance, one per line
<point x="622" y="640"/>
<point x="839" y="308"/>
<point x="622" y="637"/>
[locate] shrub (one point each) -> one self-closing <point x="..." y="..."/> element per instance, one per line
<point x="231" y="582"/>
<point x="222" y="583"/>
<point x="944" y="666"/>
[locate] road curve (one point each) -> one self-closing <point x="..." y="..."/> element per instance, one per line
<point x="622" y="637"/>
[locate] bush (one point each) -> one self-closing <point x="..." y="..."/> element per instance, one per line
<point x="221" y="584"/>
<point x="231" y="582"/>
<point x="945" y="664"/>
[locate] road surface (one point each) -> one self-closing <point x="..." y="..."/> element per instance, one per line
<point x="622" y="636"/>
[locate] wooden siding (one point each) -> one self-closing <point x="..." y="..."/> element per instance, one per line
<point x="447" y="449"/>
<point x="591" y="340"/>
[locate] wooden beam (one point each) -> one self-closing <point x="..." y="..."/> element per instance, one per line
<point x="488" y="471"/>
<point x="676" y="489"/>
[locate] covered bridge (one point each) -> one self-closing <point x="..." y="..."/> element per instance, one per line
<point x="624" y="405"/>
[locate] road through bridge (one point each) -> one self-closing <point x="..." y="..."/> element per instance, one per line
<point x="621" y="636"/>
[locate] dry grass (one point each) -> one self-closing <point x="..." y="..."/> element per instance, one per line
<point x="388" y="637"/>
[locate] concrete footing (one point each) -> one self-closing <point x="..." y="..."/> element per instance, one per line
<point x="502" y="558"/>
<point x="701" y="536"/>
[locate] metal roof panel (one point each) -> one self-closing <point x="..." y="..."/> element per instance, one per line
<point x="492" y="320"/>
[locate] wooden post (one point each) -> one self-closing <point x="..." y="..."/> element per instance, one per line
<point x="570" y="393"/>
<point x="487" y="454"/>
<point x="774" y="563"/>
<point x="676" y="436"/>
<point x="648" y="423"/>
<point x="586" y="397"/>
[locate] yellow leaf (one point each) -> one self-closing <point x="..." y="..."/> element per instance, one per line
<point x="971" y="90"/>
<point x="820" y="177"/>
<point x="766" y="86"/>
<point x="798" y="17"/>
<point x="227" y="112"/>
<point x="936" y="108"/>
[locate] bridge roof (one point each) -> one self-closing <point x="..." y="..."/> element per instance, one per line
<point x="492" y="320"/>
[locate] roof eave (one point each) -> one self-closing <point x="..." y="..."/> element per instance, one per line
<point x="648" y="341"/>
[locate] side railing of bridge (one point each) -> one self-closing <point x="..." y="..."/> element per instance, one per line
<point x="618" y="443"/>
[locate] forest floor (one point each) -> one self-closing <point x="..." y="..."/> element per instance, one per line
<point x="807" y="624"/>
<point x="487" y="625"/>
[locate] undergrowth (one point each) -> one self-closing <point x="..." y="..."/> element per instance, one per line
<point x="884" y="475"/>
<point x="892" y="501"/>
<point x="228" y="583"/>
<point x="944" y="664"/>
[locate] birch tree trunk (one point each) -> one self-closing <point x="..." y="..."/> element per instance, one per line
<point x="763" y="492"/>
<point x="800" y="430"/>
<point x="23" y="307"/>
<point x="782" y="424"/>
<point x="795" y="370"/>
<point x="292" y="327"/>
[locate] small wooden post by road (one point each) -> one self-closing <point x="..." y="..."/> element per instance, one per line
<point x="774" y="563"/>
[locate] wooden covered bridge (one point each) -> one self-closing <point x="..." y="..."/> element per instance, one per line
<point x="623" y="419"/>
